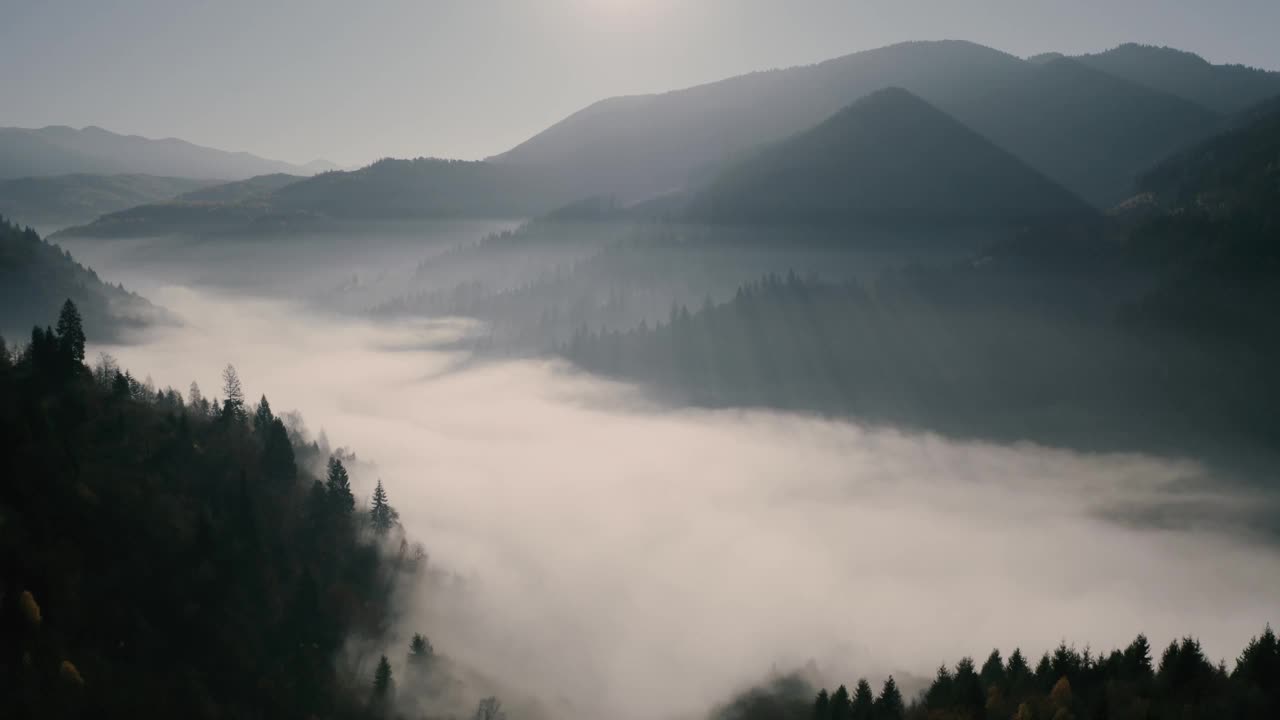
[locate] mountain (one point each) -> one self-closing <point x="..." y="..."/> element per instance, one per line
<point x="78" y="198"/>
<point x="424" y="187"/>
<point x="889" y="156"/>
<point x="386" y="190"/>
<point x="240" y="190"/>
<point x="1090" y="131"/>
<point x="59" y="150"/>
<point x="1223" y="88"/>
<point x="36" y="277"/>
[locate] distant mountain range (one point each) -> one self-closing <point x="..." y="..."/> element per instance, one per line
<point x="1090" y="124"/>
<point x="424" y="188"/>
<point x="59" y="150"/>
<point x="888" y="157"/>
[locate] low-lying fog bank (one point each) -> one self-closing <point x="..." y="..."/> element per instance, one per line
<point x="647" y="562"/>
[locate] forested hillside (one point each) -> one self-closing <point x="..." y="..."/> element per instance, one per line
<point x="889" y="158"/>
<point x="35" y="277"/>
<point x="1051" y="335"/>
<point x="164" y="555"/>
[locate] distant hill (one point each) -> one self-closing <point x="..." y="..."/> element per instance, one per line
<point x="1090" y="131"/>
<point x="424" y="187"/>
<point x="386" y="190"/>
<point x="239" y="191"/>
<point x="36" y="277"/>
<point x="889" y="156"/>
<point x="78" y="198"/>
<point x="1222" y="88"/>
<point x="59" y="150"/>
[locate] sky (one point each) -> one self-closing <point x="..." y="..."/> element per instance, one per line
<point x="351" y="82"/>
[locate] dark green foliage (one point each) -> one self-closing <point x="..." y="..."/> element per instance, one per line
<point x="1073" y="684"/>
<point x="169" y="557"/>
<point x="420" y="649"/>
<point x="382" y="516"/>
<point x="382" y="678"/>
<point x="863" y="701"/>
<point x="71" y="332"/>
<point x="889" y="705"/>
<point x="337" y="490"/>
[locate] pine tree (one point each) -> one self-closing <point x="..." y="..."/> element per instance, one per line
<point x="382" y="516"/>
<point x="71" y="332"/>
<point x="195" y="399"/>
<point x="822" y="703"/>
<point x="382" y="678"/>
<point x="889" y="705"/>
<point x="262" y="417"/>
<point x="841" y="708"/>
<point x="278" y="460"/>
<point x="233" y="404"/>
<point x="863" y="701"/>
<point x="338" y="489"/>
<point x="420" y="649"/>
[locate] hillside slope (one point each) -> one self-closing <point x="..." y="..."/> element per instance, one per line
<point x="78" y="198"/>
<point x="1223" y="88"/>
<point x="60" y="150"/>
<point x="889" y="156"/>
<point x="36" y="277"/>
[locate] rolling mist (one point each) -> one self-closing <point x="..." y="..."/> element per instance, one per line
<point x="614" y="556"/>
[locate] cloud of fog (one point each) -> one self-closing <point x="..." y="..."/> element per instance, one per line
<point x="647" y="562"/>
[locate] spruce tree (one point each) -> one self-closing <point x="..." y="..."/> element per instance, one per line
<point x="863" y="701"/>
<point x="841" y="707"/>
<point x="262" y="417"/>
<point x="71" y="332"/>
<point x="382" y="678"/>
<point x="821" y="704"/>
<point x="233" y="405"/>
<point x="420" y="649"/>
<point x="889" y="705"/>
<point x="382" y="516"/>
<point x="338" y="489"/>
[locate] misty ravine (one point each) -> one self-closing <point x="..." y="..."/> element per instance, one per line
<point x="613" y="548"/>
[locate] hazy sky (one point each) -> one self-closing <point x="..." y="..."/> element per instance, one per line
<point x="353" y="81"/>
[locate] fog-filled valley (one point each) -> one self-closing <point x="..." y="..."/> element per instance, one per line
<point x="750" y="400"/>
<point x="755" y="539"/>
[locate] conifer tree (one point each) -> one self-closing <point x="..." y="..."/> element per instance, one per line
<point x="822" y="706"/>
<point x="420" y="649"/>
<point x="840" y="704"/>
<point x="889" y="705"/>
<point x="863" y="700"/>
<point x="338" y="489"/>
<point x="233" y="404"/>
<point x="71" y="332"/>
<point x="262" y="417"/>
<point x="382" y="678"/>
<point x="382" y="516"/>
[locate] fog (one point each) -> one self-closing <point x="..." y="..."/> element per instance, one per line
<point x="626" y="558"/>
